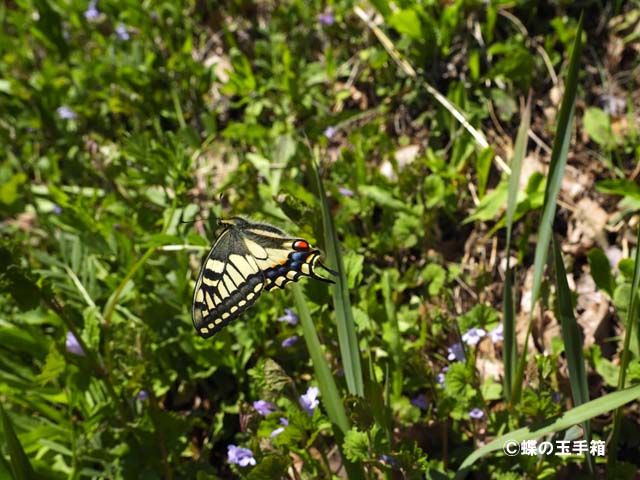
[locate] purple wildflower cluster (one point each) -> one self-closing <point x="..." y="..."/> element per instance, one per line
<point x="243" y="456"/>
<point x="263" y="407"/>
<point x="289" y="317"/>
<point x="240" y="456"/>
<point x="309" y="401"/>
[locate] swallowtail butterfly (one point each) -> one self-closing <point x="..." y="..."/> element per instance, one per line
<point x="246" y="259"/>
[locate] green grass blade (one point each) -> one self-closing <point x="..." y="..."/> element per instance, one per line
<point x="395" y="341"/>
<point x="22" y="469"/>
<point x="5" y="468"/>
<point x="328" y="389"/>
<point x="509" y="321"/>
<point x="572" y="417"/>
<point x="347" y="338"/>
<point x="519" y="152"/>
<point x="559" y="153"/>
<point x="626" y="353"/>
<point x="508" y="314"/>
<point x="571" y="333"/>
<point x="573" y="341"/>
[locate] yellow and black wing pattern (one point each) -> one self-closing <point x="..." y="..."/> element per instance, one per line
<point x="246" y="259"/>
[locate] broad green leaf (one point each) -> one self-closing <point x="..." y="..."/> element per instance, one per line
<point x="491" y="204"/>
<point x="601" y="270"/>
<point x="597" y="124"/>
<point x="54" y="365"/>
<point x="434" y="190"/>
<point x="9" y="190"/>
<point x="408" y="22"/>
<point x="619" y="186"/>
<point x="356" y="445"/>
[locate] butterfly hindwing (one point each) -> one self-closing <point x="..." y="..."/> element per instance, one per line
<point x="245" y="259"/>
<point x="282" y="258"/>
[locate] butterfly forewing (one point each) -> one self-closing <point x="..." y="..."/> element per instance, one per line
<point x="229" y="282"/>
<point x="245" y="259"/>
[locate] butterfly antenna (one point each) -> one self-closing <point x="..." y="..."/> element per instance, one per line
<point x="198" y="219"/>
<point x="332" y="272"/>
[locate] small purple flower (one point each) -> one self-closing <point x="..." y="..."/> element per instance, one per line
<point x="288" y="342"/>
<point x="612" y="105"/>
<point x="345" y="192"/>
<point x="388" y="460"/>
<point x="309" y="401"/>
<point x="284" y="421"/>
<point x="65" y="113"/>
<point x="240" y="456"/>
<point x="290" y="317"/>
<point x="442" y="376"/>
<point x="276" y="432"/>
<point x="496" y="334"/>
<point x="556" y="397"/>
<point x="456" y="352"/>
<point x="476" y="413"/>
<point x="121" y="32"/>
<point x="329" y="132"/>
<point x="92" y="13"/>
<point x="72" y="345"/>
<point x="420" y="401"/>
<point x="473" y="336"/>
<point x="326" y="18"/>
<point x="263" y="407"/>
<point x="57" y="209"/>
<point x="142" y="395"/>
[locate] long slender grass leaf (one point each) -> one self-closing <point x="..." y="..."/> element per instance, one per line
<point x="328" y="389"/>
<point x="508" y="314"/>
<point x="626" y="352"/>
<point x="22" y="469"/>
<point x="559" y="153"/>
<point x="573" y="340"/>
<point x="393" y="336"/>
<point x="347" y="337"/>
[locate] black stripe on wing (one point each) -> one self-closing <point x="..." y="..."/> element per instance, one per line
<point x="230" y="282"/>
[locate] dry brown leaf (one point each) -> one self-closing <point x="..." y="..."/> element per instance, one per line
<point x="593" y="306"/>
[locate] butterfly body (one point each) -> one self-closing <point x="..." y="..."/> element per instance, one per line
<point x="246" y="259"/>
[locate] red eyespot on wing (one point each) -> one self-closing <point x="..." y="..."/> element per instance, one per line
<point x="301" y="245"/>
